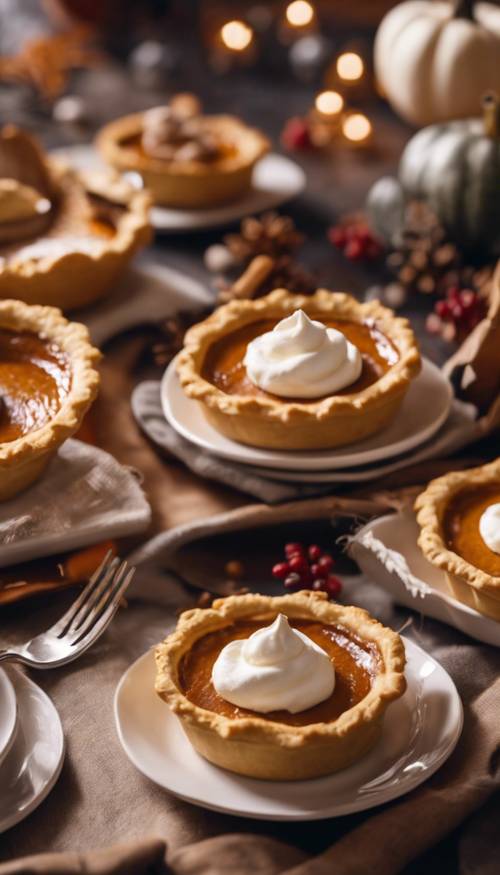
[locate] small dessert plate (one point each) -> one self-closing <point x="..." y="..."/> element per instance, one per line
<point x="387" y="551"/>
<point x="425" y="408"/>
<point x="8" y="715"/>
<point x="420" y="731"/>
<point x="34" y="762"/>
<point x="276" y="179"/>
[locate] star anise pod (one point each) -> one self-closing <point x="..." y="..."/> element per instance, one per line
<point x="270" y="234"/>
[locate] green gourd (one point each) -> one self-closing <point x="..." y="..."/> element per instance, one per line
<point x="455" y="168"/>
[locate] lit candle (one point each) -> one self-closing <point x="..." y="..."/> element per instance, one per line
<point x="236" y="35"/>
<point x="300" y="13"/>
<point x="357" y="129"/>
<point x="329" y="103"/>
<point x="350" y="67"/>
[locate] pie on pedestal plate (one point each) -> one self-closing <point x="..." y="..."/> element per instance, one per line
<point x="293" y="372"/>
<point x="282" y="688"/>
<point x="459" y="519"/>
<point x="186" y="159"/>
<point x="65" y="236"/>
<point x="48" y="381"/>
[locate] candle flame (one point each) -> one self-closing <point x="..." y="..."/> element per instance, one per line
<point x="356" y="127"/>
<point x="329" y="102"/>
<point x="299" y="13"/>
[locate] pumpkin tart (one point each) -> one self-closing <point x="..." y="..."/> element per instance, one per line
<point x="185" y="158"/>
<point x="65" y="236"/>
<point x="47" y="382"/>
<point x="369" y="664"/>
<point x="451" y="513"/>
<point x="211" y="369"/>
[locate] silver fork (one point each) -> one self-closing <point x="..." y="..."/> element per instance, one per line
<point x="83" y="622"/>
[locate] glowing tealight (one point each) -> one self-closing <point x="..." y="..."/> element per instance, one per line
<point x="356" y="127"/>
<point x="329" y="102"/>
<point x="236" y="35"/>
<point x="300" y="13"/>
<point x="350" y="66"/>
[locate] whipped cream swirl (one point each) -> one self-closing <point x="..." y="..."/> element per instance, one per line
<point x="301" y="358"/>
<point x="489" y="527"/>
<point x="277" y="668"/>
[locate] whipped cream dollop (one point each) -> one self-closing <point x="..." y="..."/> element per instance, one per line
<point x="489" y="527"/>
<point x="302" y="358"/>
<point x="277" y="668"/>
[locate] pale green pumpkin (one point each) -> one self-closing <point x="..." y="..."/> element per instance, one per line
<point x="455" y="167"/>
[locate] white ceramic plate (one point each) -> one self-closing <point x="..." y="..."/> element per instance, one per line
<point x="8" y="714"/>
<point x="420" y="731"/>
<point x="386" y="549"/>
<point x="35" y="760"/>
<point x="276" y="179"/>
<point x="425" y="408"/>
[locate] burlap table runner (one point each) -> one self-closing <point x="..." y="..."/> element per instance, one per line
<point x="101" y="800"/>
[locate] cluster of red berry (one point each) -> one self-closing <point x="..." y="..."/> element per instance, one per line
<point x="296" y="134"/>
<point x="356" y="240"/>
<point x="457" y="314"/>
<point x="307" y="568"/>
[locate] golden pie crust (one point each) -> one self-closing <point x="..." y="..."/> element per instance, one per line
<point x="262" y="748"/>
<point x="275" y="423"/>
<point x="188" y="184"/>
<point x="23" y="460"/>
<point x="68" y="279"/>
<point x="469" y="584"/>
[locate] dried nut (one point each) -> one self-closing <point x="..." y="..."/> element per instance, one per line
<point x="234" y="568"/>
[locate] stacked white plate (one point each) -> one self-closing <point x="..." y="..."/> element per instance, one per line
<point x="424" y="411"/>
<point x="31" y="746"/>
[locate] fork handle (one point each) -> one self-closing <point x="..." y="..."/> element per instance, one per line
<point x="10" y="656"/>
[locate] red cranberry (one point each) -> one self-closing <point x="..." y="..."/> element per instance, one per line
<point x="318" y="585"/>
<point x="326" y="562"/>
<point x="353" y="250"/>
<point x="333" y="586"/>
<point x="292" y="548"/>
<point x="293" y="581"/>
<point x="337" y="235"/>
<point x="319" y="571"/>
<point x="442" y="309"/>
<point x="296" y="135"/>
<point x="314" y="552"/>
<point x="298" y="564"/>
<point x="281" y="569"/>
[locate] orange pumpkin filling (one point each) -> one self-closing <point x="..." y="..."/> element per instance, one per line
<point x="224" y="368"/>
<point x="35" y="377"/>
<point x="461" y="527"/>
<point x="356" y="665"/>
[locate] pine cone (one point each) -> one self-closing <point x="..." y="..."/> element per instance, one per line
<point x="271" y="234"/>
<point x="424" y="261"/>
<point x="171" y="333"/>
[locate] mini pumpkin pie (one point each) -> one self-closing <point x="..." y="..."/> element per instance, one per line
<point x="293" y="372"/>
<point x="281" y="688"/>
<point x="65" y="237"/>
<point x="459" y="519"/>
<point x="186" y="159"/>
<point x="47" y="382"/>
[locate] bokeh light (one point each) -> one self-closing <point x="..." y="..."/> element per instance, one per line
<point x="329" y="102"/>
<point x="356" y="127"/>
<point x="350" y="66"/>
<point x="300" y="13"/>
<point x="236" y="35"/>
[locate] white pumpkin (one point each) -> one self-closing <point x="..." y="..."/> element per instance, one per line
<point x="435" y="60"/>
